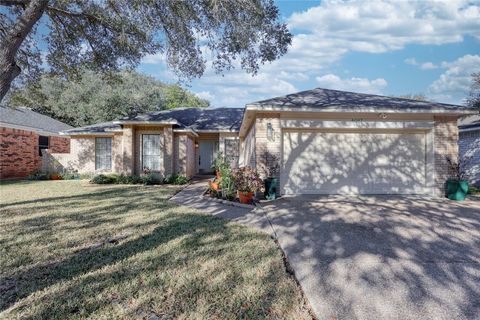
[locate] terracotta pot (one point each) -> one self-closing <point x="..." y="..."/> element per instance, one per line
<point x="245" y="197"/>
<point x="55" y="176"/>
<point x="214" y="185"/>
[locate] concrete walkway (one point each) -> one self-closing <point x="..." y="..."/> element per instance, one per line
<point x="192" y="196"/>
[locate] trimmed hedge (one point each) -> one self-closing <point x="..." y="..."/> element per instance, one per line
<point x="145" y="179"/>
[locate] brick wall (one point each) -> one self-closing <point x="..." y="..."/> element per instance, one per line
<point x="168" y="151"/>
<point x="469" y="148"/>
<point x="59" y="144"/>
<point x="267" y="149"/>
<point x="19" y="156"/>
<point x="445" y="145"/>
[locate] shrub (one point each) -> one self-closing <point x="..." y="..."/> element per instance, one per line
<point x="105" y="179"/>
<point x="474" y="190"/>
<point x="146" y="179"/>
<point x="70" y="176"/>
<point x="247" y="180"/>
<point x="176" y="179"/>
<point x="150" y="178"/>
<point x="39" y="176"/>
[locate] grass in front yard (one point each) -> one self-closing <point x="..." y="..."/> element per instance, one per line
<point x="72" y="250"/>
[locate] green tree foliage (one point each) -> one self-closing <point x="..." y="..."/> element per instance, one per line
<point x="94" y="99"/>
<point x="474" y="99"/>
<point x="110" y="34"/>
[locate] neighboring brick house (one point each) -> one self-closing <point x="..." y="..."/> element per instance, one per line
<point x="469" y="146"/>
<point x="23" y="135"/>
<point x="322" y="142"/>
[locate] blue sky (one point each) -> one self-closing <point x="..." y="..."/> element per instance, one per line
<point x="382" y="47"/>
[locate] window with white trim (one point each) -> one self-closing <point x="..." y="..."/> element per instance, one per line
<point x="151" y="152"/>
<point x="103" y="154"/>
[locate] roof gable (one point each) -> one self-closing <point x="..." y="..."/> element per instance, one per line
<point x="335" y="100"/>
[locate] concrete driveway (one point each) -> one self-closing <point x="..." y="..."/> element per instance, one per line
<point x="383" y="257"/>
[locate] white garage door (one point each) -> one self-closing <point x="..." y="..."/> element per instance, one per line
<point x="353" y="163"/>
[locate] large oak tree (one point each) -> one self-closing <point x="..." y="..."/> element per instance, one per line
<point x="109" y="34"/>
<point x="92" y="99"/>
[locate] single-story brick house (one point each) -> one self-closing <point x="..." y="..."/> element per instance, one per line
<point x="469" y="145"/>
<point x="23" y="135"/>
<point x="323" y="142"/>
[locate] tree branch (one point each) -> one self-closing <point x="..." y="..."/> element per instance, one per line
<point x="22" y="3"/>
<point x="73" y="14"/>
<point x="12" y="41"/>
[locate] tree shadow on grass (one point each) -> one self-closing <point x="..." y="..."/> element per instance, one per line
<point x="173" y="259"/>
<point x="96" y="272"/>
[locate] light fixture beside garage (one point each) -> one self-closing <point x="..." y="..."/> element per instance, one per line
<point x="382" y="115"/>
<point x="270" y="132"/>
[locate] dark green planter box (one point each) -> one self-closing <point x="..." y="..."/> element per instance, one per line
<point x="271" y="187"/>
<point x="457" y="190"/>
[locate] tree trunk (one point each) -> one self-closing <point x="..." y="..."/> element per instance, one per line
<point x="9" y="46"/>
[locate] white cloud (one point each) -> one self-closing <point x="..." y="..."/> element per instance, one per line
<point x="428" y="66"/>
<point x="411" y="61"/>
<point x="157" y="58"/>
<point x="327" y="32"/>
<point x="354" y="84"/>
<point x="454" y="84"/>
<point x="237" y="88"/>
<point x="205" y="95"/>
<point x="424" y="65"/>
<point x="380" y="26"/>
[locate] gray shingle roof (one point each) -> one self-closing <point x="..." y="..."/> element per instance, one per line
<point x="335" y="100"/>
<point x="470" y="122"/>
<point x="95" y="128"/>
<point x="198" y="119"/>
<point x="25" y="117"/>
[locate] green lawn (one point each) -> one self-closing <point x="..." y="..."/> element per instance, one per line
<point x="72" y="250"/>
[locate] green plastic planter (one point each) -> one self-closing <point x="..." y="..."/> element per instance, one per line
<point x="271" y="186"/>
<point x="457" y="190"/>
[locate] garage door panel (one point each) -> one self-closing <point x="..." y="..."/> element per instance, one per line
<point x="353" y="163"/>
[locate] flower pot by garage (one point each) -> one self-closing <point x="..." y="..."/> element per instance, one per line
<point x="214" y="185"/>
<point x="457" y="189"/>
<point x="245" y="197"/>
<point x="271" y="185"/>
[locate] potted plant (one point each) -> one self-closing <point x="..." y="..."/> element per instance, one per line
<point x="217" y="164"/>
<point x="457" y="185"/>
<point x="271" y="171"/>
<point x="55" y="176"/>
<point x="214" y="184"/>
<point x="247" y="182"/>
<point x="226" y="181"/>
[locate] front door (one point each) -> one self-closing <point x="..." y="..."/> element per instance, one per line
<point x="206" y="156"/>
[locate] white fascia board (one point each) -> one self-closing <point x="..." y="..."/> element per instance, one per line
<point x="362" y="109"/>
<point x="145" y="122"/>
<point x="345" y="124"/>
<point x="186" y="130"/>
<point x="109" y="134"/>
<point x="32" y="129"/>
<point x="217" y="131"/>
<point x="469" y="129"/>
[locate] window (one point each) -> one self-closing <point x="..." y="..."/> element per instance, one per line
<point x="151" y="151"/>
<point x="103" y="154"/>
<point x="42" y="144"/>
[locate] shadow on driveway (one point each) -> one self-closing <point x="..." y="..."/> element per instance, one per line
<point x="383" y="257"/>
